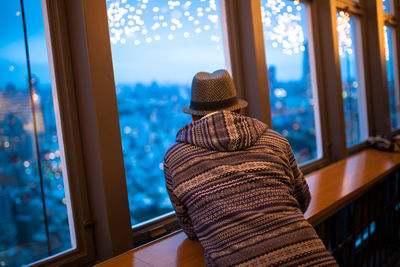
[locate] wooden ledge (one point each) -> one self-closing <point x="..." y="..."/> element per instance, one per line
<point x="331" y="189"/>
<point x="338" y="184"/>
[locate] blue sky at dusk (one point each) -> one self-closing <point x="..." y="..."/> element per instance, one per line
<point x="177" y="60"/>
<point x="13" y="68"/>
<point x="162" y="60"/>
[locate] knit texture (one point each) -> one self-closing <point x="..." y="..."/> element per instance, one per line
<point x="235" y="186"/>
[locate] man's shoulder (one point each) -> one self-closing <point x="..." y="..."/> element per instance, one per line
<point x="173" y="150"/>
<point x="274" y="137"/>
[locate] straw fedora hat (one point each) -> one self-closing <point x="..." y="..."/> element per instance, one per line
<point x="212" y="92"/>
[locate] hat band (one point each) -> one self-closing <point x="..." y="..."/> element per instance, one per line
<point x="213" y="105"/>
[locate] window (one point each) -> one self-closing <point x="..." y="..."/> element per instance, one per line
<point x="157" y="47"/>
<point x="291" y="72"/>
<point x="392" y="76"/>
<point x="34" y="221"/>
<point x="388" y="6"/>
<point x="351" y="69"/>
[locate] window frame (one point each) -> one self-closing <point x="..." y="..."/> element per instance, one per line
<point x="166" y="224"/>
<point x="81" y="51"/>
<point x="391" y="20"/>
<point x="81" y="71"/>
<point x="70" y="141"/>
<point x="357" y="9"/>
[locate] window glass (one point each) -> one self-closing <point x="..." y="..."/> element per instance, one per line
<point x="291" y="74"/>
<point x="33" y="205"/>
<point x="351" y="69"/>
<point x="388" y="6"/>
<point x="157" y="48"/>
<point x="392" y="76"/>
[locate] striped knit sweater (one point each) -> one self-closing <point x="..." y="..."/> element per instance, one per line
<point x="235" y="186"/>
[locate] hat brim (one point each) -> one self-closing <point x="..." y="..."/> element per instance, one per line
<point x="240" y="104"/>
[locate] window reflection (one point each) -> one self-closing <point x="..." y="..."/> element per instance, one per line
<point x="34" y="219"/>
<point x="291" y="73"/>
<point x="392" y="76"/>
<point x="388" y="6"/>
<point x="351" y="65"/>
<point x="157" y="47"/>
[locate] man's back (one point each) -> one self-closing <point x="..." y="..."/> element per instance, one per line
<point x="235" y="186"/>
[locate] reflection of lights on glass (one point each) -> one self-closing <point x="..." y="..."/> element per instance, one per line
<point x="344" y="33"/>
<point x="26" y="164"/>
<point x="355" y="84"/>
<point x="134" y="19"/>
<point x="282" y="25"/>
<point x="64" y="201"/>
<point x="285" y="133"/>
<point x="384" y="6"/>
<point x="344" y="94"/>
<point x="11" y="68"/>
<point x="18" y="13"/>
<point x="386" y="43"/>
<point x="296" y="126"/>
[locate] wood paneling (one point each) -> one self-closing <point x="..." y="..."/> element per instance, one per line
<point x="174" y="250"/>
<point x="331" y="189"/>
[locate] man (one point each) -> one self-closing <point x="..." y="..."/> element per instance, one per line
<point x="235" y="185"/>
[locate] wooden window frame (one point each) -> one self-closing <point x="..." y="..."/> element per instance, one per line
<point x="392" y="20"/>
<point x="84" y="78"/>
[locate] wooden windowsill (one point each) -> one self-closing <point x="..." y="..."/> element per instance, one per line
<point x="331" y="189"/>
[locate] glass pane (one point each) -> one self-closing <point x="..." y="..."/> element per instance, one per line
<point x="34" y="218"/>
<point x="157" y="48"/>
<point x="291" y="73"/>
<point x="388" y="6"/>
<point x="392" y="75"/>
<point x="351" y="69"/>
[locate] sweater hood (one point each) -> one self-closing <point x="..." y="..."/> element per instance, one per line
<point x="222" y="131"/>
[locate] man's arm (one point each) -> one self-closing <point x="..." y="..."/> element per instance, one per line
<point x="180" y="209"/>
<point x="301" y="190"/>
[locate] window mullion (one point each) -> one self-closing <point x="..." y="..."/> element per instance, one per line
<point x="98" y="121"/>
<point x="334" y="117"/>
<point x="380" y="120"/>
<point x="252" y="68"/>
